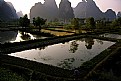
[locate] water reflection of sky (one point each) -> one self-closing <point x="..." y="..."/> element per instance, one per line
<point x="116" y="36"/>
<point x="60" y="54"/>
<point x="17" y="36"/>
<point x="7" y="36"/>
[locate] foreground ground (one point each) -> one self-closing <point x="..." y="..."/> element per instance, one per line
<point x="109" y="70"/>
<point x="8" y="75"/>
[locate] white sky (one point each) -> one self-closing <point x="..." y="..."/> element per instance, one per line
<point x="25" y="5"/>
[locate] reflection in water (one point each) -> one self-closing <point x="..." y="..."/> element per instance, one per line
<point x="7" y="36"/>
<point x="17" y="36"/>
<point x="73" y="47"/>
<point x="42" y="48"/>
<point x="60" y="55"/>
<point x="99" y="41"/>
<point x="25" y="36"/>
<point x="66" y="63"/>
<point x="48" y="58"/>
<point x="89" y="43"/>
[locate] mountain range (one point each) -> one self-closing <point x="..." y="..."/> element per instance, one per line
<point x="49" y="10"/>
<point x="7" y="11"/>
<point x="65" y="10"/>
<point x="119" y="14"/>
<point x="85" y="9"/>
<point x="89" y="8"/>
<point x="20" y="14"/>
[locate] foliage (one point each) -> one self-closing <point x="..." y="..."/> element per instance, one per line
<point x="90" y="23"/>
<point x="68" y="26"/>
<point x="88" y="65"/>
<point x="75" y="23"/>
<point x="8" y="75"/>
<point x="39" y="22"/>
<point x="55" y="23"/>
<point x="24" y="21"/>
<point x="100" y="24"/>
<point x="119" y="21"/>
<point x="116" y="23"/>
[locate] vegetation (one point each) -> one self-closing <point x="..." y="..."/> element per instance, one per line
<point x="90" y="23"/>
<point x="38" y="22"/>
<point x="54" y="23"/>
<point x="100" y="24"/>
<point x="75" y="23"/>
<point x="8" y="75"/>
<point x="116" y="23"/>
<point x="24" y="21"/>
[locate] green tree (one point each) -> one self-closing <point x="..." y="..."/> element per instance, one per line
<point x="119" y="21"/>
<point x="24" y="21"/>
<point x="101" y="24"/>
<point x="75" y="23"/>
<point x="116" y="23"/>
<point x="38" y="22"/>
<point x="90" y="23"/>
<point x="34" y="21"/>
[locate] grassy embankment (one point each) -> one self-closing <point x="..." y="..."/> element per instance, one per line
<point x="8" y="75"/>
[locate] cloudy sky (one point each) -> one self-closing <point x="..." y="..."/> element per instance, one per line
<point x="25" y="5"/>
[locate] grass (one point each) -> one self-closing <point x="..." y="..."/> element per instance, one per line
<point x="57" y="33"/>
<point x="8" y="75"/>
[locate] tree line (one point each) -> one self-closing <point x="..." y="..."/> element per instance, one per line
<point x="37" y="22"/>
<point x="92" y="24"/>
<point x="75" y="23"/>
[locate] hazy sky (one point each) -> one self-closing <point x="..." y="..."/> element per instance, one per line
<point x="25" y="5"/>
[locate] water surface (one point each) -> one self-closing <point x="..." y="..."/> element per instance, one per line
<point x="69" y="55"/>
<point x="17" y="36"/>
<point x="116" y="36"/>
<point x="23" y="36"/>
